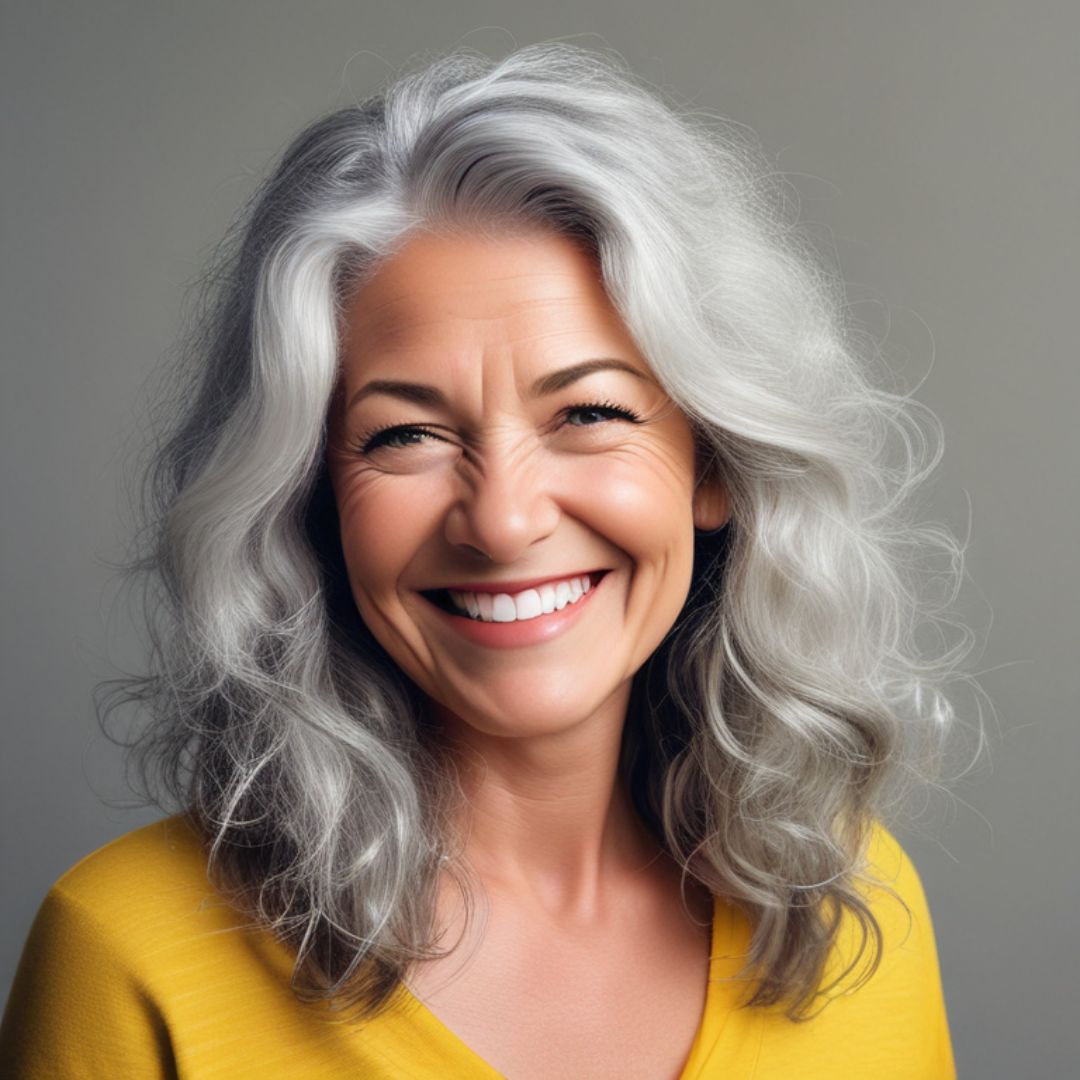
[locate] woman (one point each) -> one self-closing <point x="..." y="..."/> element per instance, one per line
<point x="534" y="647"/>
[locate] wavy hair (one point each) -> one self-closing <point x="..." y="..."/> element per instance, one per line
<point x="789" y="704"/>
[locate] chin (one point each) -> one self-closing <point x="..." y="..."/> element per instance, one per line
<point x="541" y="715"/>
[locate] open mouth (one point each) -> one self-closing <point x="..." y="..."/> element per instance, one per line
<point x="483" y="607"/>
<point x="441" y="599"/>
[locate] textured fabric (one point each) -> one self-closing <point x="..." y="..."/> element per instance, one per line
<point x="135" y="968"/>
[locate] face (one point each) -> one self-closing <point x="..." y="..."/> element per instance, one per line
<point x="495" y="433"/>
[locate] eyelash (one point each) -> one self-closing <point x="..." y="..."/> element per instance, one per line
<point x="373" y="440"/>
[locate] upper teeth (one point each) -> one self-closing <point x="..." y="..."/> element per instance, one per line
<point x="504" y="607"/>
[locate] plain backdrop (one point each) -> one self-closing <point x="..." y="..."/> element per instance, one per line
<point x="934" y="152"/>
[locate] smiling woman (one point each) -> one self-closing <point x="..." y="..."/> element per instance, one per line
<point x="520" y="474"/>
<point x="531" y="544"/>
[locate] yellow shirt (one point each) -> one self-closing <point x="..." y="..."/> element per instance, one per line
<point x="135" y="968"/>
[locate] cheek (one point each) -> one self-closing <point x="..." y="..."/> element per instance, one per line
<point x="643" y="500"/>
<point x="643" y="506"/>
<point x="383" y="521"/>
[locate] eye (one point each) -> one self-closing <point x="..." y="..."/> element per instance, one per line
<point x="396" y="438"/>
<point x="605" y="410"/>
<point x="401" y="436"/>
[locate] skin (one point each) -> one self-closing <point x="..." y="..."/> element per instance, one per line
<point x="507" y="486"/>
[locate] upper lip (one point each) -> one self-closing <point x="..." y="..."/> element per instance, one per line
<point x="519" y="585"/>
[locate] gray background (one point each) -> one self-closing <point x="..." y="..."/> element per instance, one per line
<point x="934" y="149"/>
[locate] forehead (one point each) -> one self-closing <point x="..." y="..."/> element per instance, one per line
<point x="476" y="284"/>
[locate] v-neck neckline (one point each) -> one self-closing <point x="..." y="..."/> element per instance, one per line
<point x="723" y="964"/>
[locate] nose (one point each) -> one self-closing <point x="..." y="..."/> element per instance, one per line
<point x="507" y="505"/>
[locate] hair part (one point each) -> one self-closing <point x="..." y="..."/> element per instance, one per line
<point x="787" y="709"/>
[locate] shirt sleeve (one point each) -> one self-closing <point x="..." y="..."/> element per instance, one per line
<point x="77" y="1009"/>
<point x="914" y="958"/>
<point x="940" y="1050"/>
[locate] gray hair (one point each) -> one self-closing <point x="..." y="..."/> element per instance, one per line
<point x="789" y="705"/>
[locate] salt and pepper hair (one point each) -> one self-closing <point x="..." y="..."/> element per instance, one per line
<point x="790" y="705"/>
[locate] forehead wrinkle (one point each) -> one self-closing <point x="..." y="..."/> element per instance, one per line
<point x="399" y="311"/>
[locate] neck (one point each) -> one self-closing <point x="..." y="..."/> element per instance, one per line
<point x="545" y="817"/>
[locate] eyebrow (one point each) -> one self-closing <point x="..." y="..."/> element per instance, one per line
<point x="424" y="394"/>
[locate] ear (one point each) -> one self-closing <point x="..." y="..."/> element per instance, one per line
<point x="711" y="506"/>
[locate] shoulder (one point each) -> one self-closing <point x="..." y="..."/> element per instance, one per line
<point x="134" y="893"/>
<point x="149" y="866"/>
<point x="130" y="902"/>
<point x="136" y="911"/>
<point x="145" y="901"/>
<point x="895" y="902"/>
<point x="132" y="957"/>
<point x="887" y="1020"/>
<point x="136" y="967"/>
<point x="887" y="858"/>
<point x="896" y="896"/>
<point x="87" y="995"/>
<point x="886" y="1014"/>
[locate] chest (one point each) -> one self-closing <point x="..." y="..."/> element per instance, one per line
<point x="623" y="1000"/>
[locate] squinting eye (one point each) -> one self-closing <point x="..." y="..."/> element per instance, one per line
<point x="396" y="438"/>
<point x="401" y="436"/>
<point x="606" y="410"/>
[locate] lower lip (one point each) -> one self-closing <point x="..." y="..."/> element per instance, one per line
<point x="513" y="635"/>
